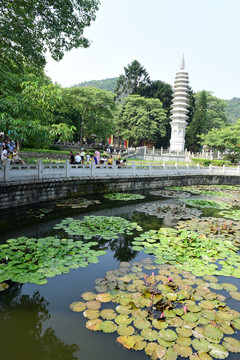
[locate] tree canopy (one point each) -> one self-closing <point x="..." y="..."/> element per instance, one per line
<point x="29" y="28"/>
<point x="135" y="76"/>
<point x="140" y="119"/>
<point x="90" y="110"/>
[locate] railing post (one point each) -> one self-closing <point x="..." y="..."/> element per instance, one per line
<point x="40" y="167"/>
<point x="224" y="169"/>
<point x="176" y="167"/>
<point x="198" y="167"/>
<point x="161" y="150"/>
<point x="133" y="169"/>
<point x="153" y="150"/>
<point x="150" y="169"/>
<point x="67" y="168"/>
<point x="6" y="170"/>
<point x="187" y="165"/>
<point x="238" y="170"/>
<point x="164" y="168"/>
<point x="210" y="168"/>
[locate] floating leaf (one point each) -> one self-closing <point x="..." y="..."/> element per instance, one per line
<point x="93" y="305"/>
<point x="78" y="306"/>
<point x="125" y="330"/>
<point x="184" y="351"/>
<point x="218" y="351"/>
<point x="108" y="314"/>
<point x="231" y="344"/>
<point x="108" y="326"/>
<point x="168" y="335"/>
<point x="213" y="333"/>
<point x="94" y="324"/>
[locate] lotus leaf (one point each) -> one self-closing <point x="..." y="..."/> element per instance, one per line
<point x="184" y="341"/>
<point x="218" y="351"/>
<point x="213" y="332"/>
<point x="168" y="335"/>
<point x="231" y="344"/>
<point x="93" y="304"/>
<point x="190" y="317"/>
<point x="124" y="196"/>
<point x="183" y="332"/>
<point x="108" y="314"/>
<point x="94" y="324"/>
<point x="158" y="324"/>
<point x="3" y="286"/>
<point x="150" y="348"/>
<point x="170" y="355"/>
<point x="91" y="314"/>
<point x="141" y="323"/>
<point x="169" y="211"/>
<point x="140" y="345"/>
<point x="206" y="203"/>
<point x="78" y="306"/>
<point x="97" y="226"/>
<point x="184" y="351"/>
<point x="201" y="345"/>
<point x="88" y="296"/>
<point x="108" y="326"/>
<point x="158" y="353"/>
<point x="229" y="287"/>
<point x="123" y="329"/>
<point x="104" y="298"/>
<point x="123" y="319"/>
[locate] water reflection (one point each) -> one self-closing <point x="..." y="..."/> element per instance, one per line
<point x="21" y="331"/>
<point x="122" y="249"/>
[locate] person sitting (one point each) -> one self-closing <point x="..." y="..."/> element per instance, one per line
<point x="110" y="160"/>
<point x="16" y="158"/>
<point x="4" y="156"/>
<point x="77" y="158"/>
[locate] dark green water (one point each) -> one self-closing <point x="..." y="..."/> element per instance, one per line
<point x="36" y="322"/>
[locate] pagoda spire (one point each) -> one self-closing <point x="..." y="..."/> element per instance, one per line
<point x="179" y="109"/>
<point x="182" y="66"/>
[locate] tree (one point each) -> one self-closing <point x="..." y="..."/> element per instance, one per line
<point x="141" y="119"/>
<point x="132" y="80"/>
<point x="90" y="110"/>
<point x="209" y="113"/>
<point x="29" y="28"/>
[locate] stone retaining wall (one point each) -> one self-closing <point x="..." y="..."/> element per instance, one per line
<point x="16" y="194"/>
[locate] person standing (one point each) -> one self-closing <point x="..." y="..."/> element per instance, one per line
<point x="77" y="158"/>
<point x="82" y="156"/>
<point x="97" y="154"/>
<point x="72" y="158"/>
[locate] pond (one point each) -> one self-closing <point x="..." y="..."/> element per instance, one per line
<point x="165" y="263"/>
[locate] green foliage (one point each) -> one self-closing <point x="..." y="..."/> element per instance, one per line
<point x="124" y="197"/>
<point x="98" y="226"/>
<point x="140" y="119"/>
<point x="209" y="113"/>
<point x="135" y="76"/>
<point x="29" y="28"/>
<point x="89" y="110"/>
<point x="228" y="137"/>
<point x="207" y="162"/>
<point x="206" y="203"/>
<point x="163" y="314"/>
<point x="233" y="109"/>
<point x="109" y="84"/>
<point x="29" y="260"/>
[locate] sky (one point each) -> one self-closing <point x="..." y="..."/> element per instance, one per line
<point x="157" y="33"/>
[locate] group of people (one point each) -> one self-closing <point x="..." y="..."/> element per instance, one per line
<point x="97" y="159"/>
<point x="9" y="151"/>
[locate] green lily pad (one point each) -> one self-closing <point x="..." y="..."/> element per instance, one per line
<point x="125" y="330"/>
<point x="108" y="326"/>
<point x="218" y="351"/>
<point x="108" y="314"/>
<point x="231" y="344"/>
<point x="213" y="332"/>
<point x="78" y="306"/>
<point x="168" y="335"/>
<point x="127" y="341"/>
<point x="94" y="325"/>
<point x="184" y="351"/>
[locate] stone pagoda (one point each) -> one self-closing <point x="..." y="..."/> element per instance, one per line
<point x="179" y="109"/>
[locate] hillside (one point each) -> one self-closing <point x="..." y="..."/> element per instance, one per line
<point x="105" y="84"/>
<point x="233" y="109"/>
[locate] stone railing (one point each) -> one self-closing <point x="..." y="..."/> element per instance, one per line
<point x="40" y="171"/>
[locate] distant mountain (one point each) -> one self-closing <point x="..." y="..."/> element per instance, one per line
<point x="233" y="109"/>
<point x="105" y="84"/>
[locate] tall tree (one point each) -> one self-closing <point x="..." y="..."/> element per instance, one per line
<point x="135" y="76"/>
<point x="209" y="113"/>
<point x="141" y="119"/>
<point x="29" y="28"/>
<point x="89" y="110"/>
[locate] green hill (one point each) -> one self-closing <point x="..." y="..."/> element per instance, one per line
<point x="233" y="109"/>
<point x="105" y="84"/>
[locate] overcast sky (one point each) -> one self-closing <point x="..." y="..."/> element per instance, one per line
<point x="157" y="33"/>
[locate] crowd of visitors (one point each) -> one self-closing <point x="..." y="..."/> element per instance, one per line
<point x="87" y="159"/>
<point x="9" y="151"/>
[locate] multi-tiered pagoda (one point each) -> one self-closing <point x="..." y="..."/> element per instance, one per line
<point x="179" y="109"/>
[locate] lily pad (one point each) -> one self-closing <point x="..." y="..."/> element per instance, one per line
<point x="231" y="344"/>
<point x="108" y="326"/>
